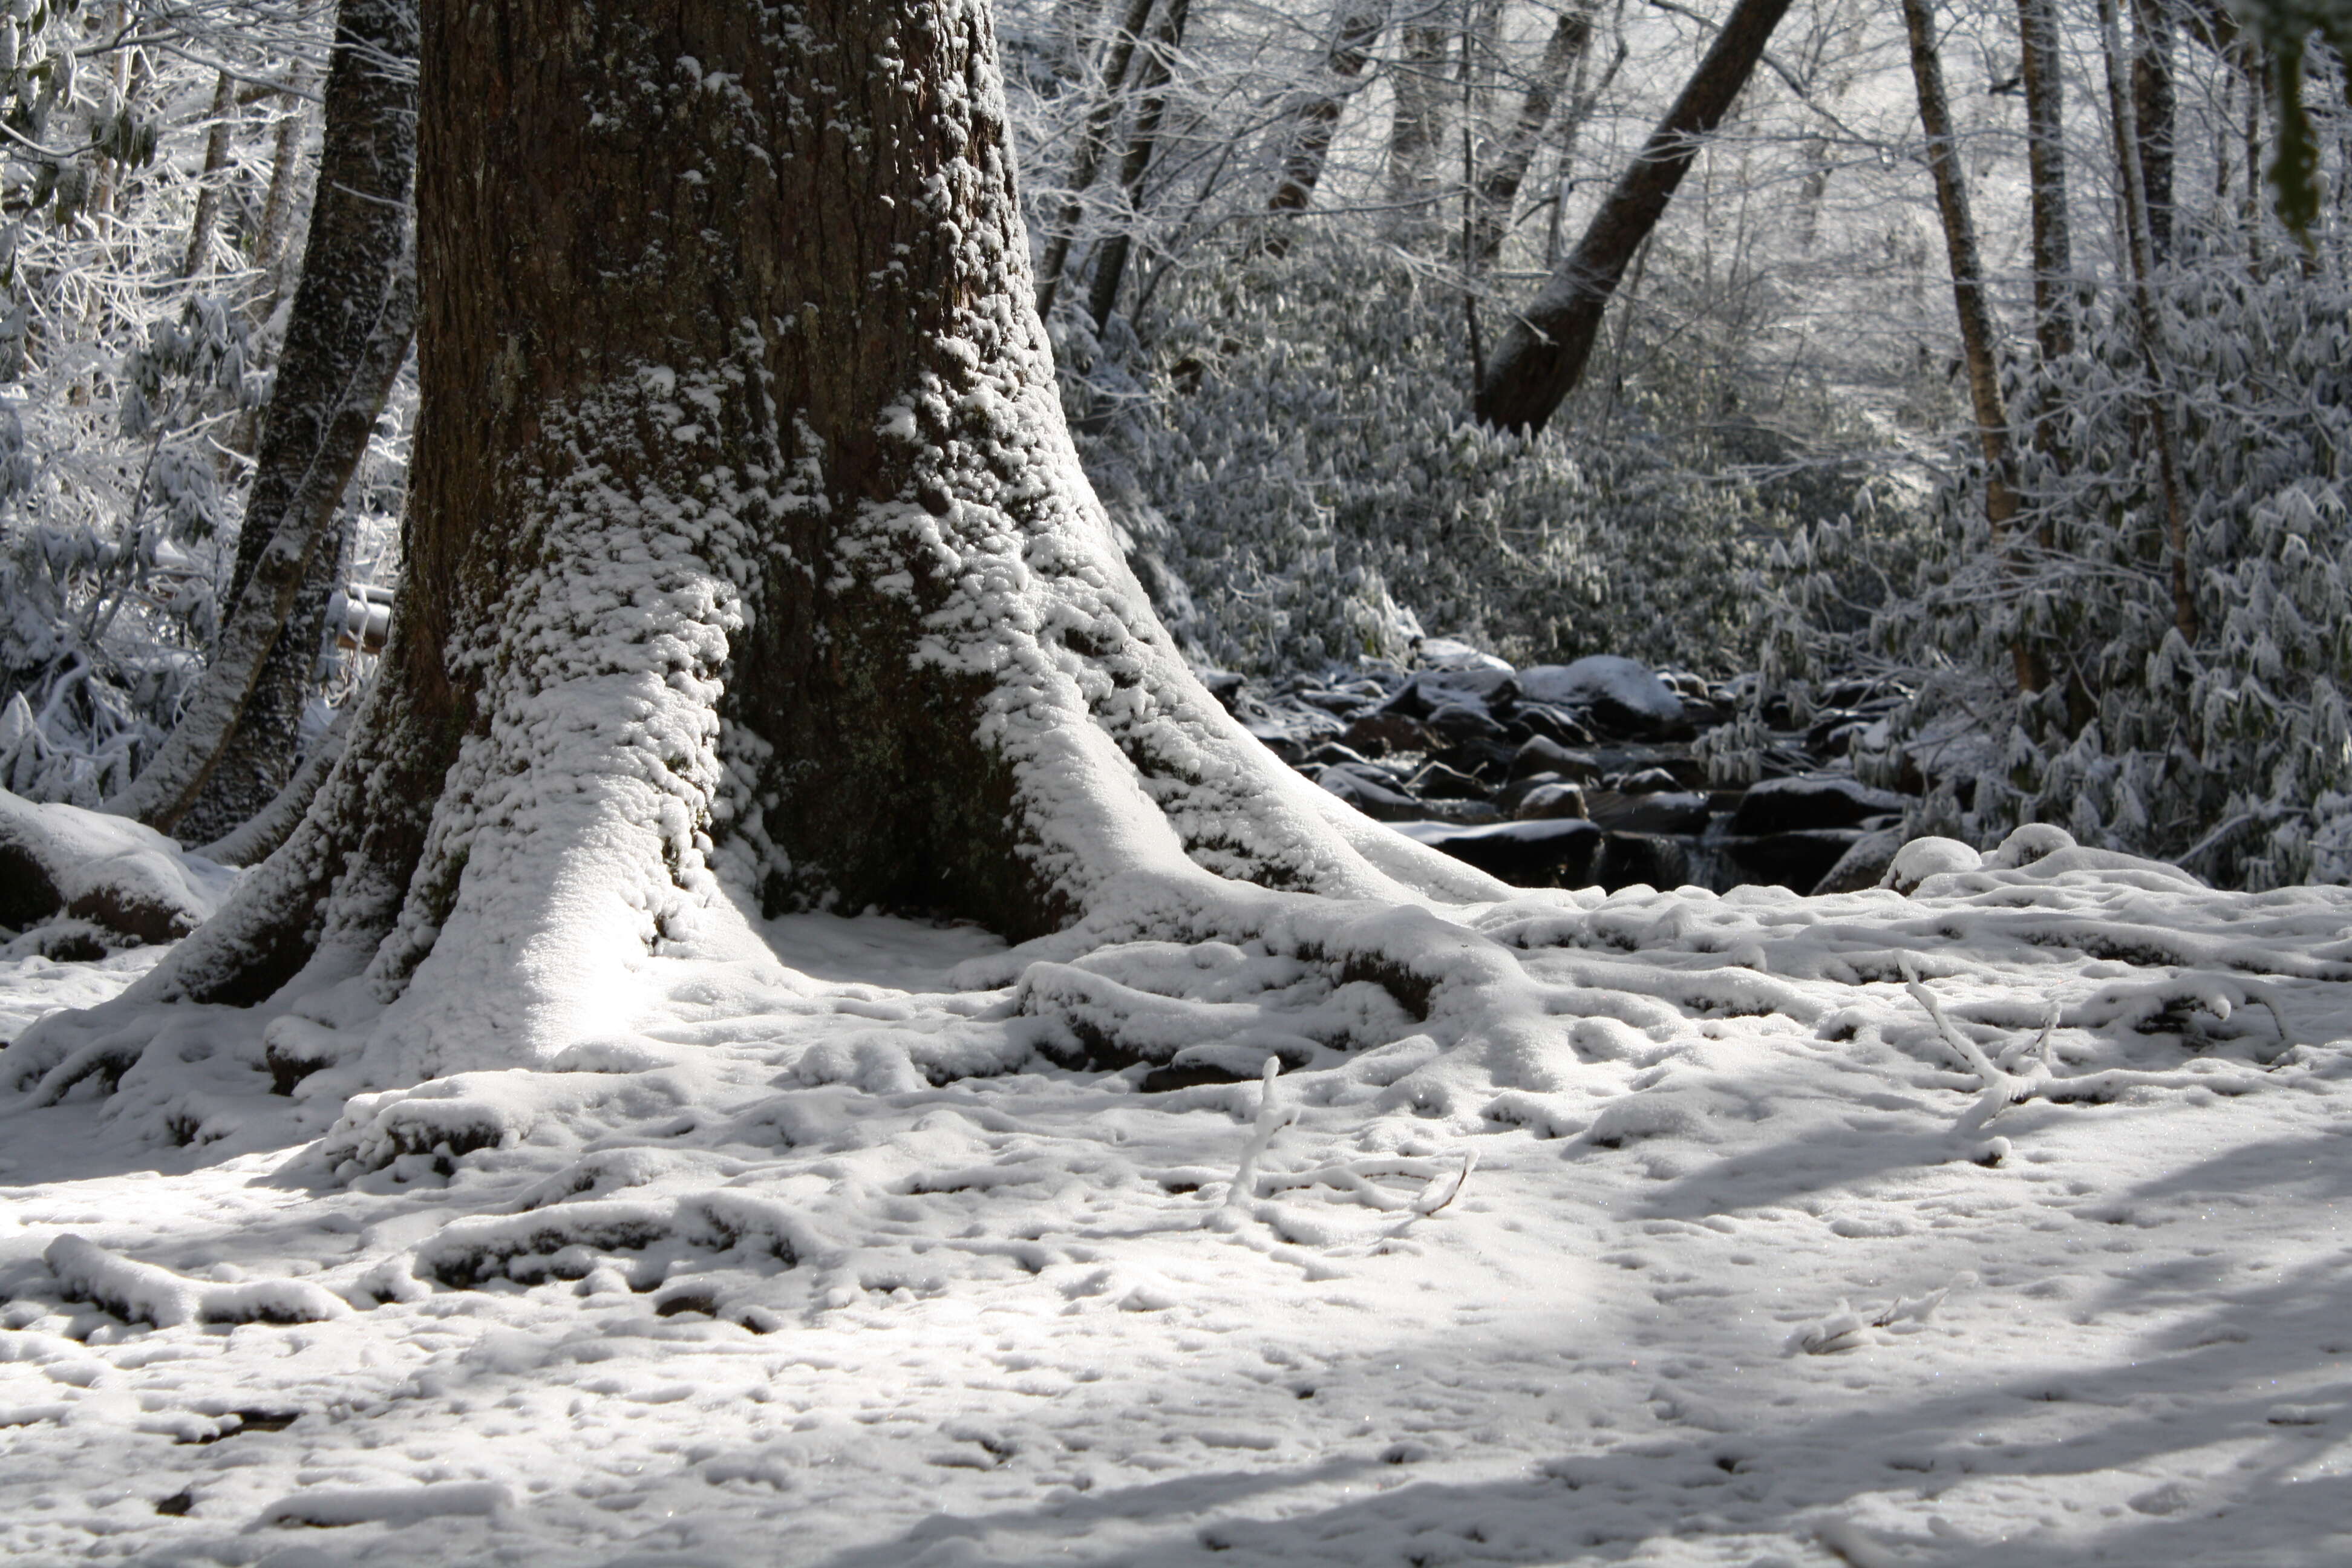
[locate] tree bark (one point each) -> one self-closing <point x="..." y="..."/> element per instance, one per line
<point x="200" y="228"/>
<point x="1977" y="345"/>
<point x="1142" y="141"/>
<point x="278" y="205"/>
<point x="749" y="562"/>
<point x="2155" y="354"/>
<point x="1540" y="359"/>
<point x="235" y="747"/>
<point x="1506" y="169"/>
<point x="2044" y="81"/>
<point x="1315" y="120"/>
<point x="1093" y="143"/>
<point x="2154" y="112"/>
<point x="1417" y="129"/>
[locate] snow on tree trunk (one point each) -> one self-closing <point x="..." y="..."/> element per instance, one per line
<point x="354" y="314"/>
<point x="748" y="560"/>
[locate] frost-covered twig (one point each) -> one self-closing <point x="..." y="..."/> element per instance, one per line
<point x="1271" y="1120"/>
<point x="1843" y="1330"/>
<point x="2042" y="1080"/>
<point x="1441" y="1180"/>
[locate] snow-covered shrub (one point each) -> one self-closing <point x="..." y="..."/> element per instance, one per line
<point x="135" y="344"/>
<point x="1296" y="436"/>
<point x="2223" y="744"/>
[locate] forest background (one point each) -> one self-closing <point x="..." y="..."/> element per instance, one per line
<point x="2089" y="531"/>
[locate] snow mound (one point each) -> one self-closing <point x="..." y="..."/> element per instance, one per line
<point x="132" y="883"/>
<point x="141" y="1293"/>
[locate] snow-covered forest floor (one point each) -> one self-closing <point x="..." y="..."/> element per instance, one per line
<point x="1744" y="1276"/>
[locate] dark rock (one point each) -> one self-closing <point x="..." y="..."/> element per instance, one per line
<point x="1613" y="696"/>
<point x="1805" y="803"/>
<point x="1462" y="812"/>
<point x="29" y="892"/>
<point x="1457" y="722"/>
<point x="104" y="871"/>
<point x="1648" y="780"/>
<point x="1332" y="751"/>
<point x="1864" y="865"/>
<point x="1377" y="734"/>
<point x="1557" y="724"/>
<point x="1345" y="704"/>
<point x="1832" y="734"/>
<point x="1673" y="811"/>
<point x="1435" y="781"/>
<point x="1225" y="686"/>
<point x="1798" y="859"/>
<point x="1432" y="688"/>
<point x="1371" y="792"/>
<point x="132" y="898"/>
<point x="1654" y="860"/>
<point x="1543" y="756"/>
<point x="1283" y="744"/>
<point x="1556" y="853"/>
<point x="1488" y="759"/>
<point x="1546" y="802"/>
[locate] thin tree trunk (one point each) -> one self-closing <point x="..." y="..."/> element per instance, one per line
<point x="353" y="315"/>
<point x="1143" y="140"/>
<point x="2155" y="353"/>
<point x="200" y="230"/>
<point x="2045" y="154"/>
<point x="2154" y="112"/>
<point x="1543" y="356"/>
<point x="1498" y="187"/>
<point x="1317" y="118"/>
<point x="1968" y="303"/>
<point x="1417" y="128"/>
<point x="1094" y="141"/>
<point x="278" y="206"/>
<point x="1571" y="130"/>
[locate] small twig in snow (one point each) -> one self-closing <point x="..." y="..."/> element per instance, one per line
<point x="1271" y="1120"/>
<point x="2003" y="1089"/>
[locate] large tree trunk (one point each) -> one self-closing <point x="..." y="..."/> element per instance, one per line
<point x="236" y="746"/>
<point x="749" y="563"/>
<point x="1542" y="357"/>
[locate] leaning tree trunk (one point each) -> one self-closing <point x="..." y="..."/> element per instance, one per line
<point x="235" y="745"/>
<point x="1540" y="361"/>
<point x="749" y="561"/>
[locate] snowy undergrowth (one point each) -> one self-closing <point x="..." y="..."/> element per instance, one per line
<point x="1759" y="1247"/>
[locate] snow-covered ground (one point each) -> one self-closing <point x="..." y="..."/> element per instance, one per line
<point x="1764" y="1277"/>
